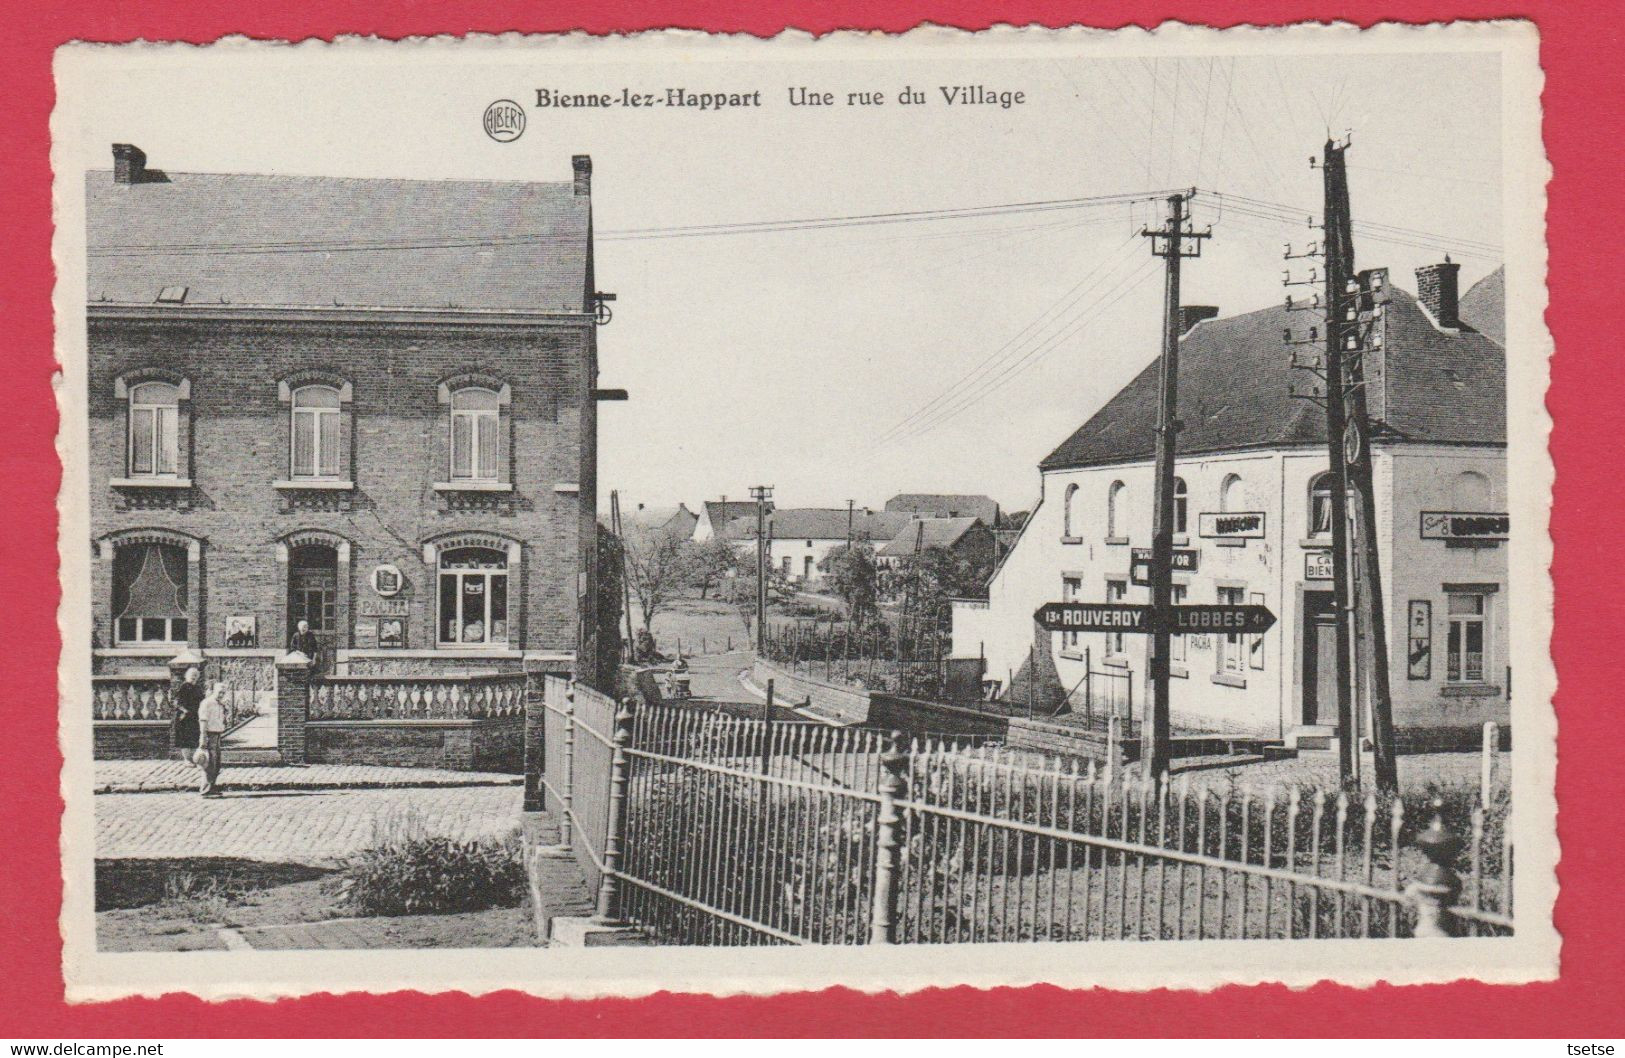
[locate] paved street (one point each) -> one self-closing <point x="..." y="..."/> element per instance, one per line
<point x="133" y="776"/>
<point x="309" y="826"/>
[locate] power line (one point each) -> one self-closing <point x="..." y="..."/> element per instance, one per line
<point x="1060" y="305"/>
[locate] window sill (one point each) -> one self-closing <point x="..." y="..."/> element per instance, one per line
<point x="1316" y="543"/>
<point x="1072" y="655"/>
<point x="472" y="486"/>
<point x="1115" y="661"/>
<point x="1229" y="543"/>
<point x="1226" y="679"/>
<point x="1179" y="672"/>
<point x="1071" y="539"/>
<point x="1121" y="540"/>
<point x="321" y="484"/>
<point x="1182" y="539"/>
<point x="150" y="483"/>
<point x="1469" y="690"/>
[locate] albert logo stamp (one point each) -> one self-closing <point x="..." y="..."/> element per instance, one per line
<point x="504" y="121"/>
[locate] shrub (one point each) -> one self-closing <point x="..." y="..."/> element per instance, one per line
<point x="413" y="873"/>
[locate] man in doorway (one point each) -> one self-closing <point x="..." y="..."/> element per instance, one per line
<point x="305" y="642"/>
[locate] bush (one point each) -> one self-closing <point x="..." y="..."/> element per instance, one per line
<point x="412" y="873"/>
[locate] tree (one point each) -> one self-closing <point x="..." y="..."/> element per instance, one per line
<point x="657" y="566"/>
<point x="851" y="574"/>
<point x="709" y="563"/>
<point x="927" y="581"/>
<point x="610" y="604"/>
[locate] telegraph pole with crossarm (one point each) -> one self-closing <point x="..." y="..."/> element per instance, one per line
<point x="1170" y="244"/>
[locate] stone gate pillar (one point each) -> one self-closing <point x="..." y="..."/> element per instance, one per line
<point x="292" y="705"/>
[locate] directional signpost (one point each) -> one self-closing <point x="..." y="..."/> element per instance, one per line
<point x="1246" y="619"/>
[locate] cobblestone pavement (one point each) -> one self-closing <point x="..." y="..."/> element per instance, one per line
<point x="133" y="776"/>
<point x="310" y="826"/>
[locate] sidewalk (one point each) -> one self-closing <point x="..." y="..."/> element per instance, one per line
<point x="164" y="776"/>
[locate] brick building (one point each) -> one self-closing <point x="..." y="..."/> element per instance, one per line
<point x="365" y="403"/>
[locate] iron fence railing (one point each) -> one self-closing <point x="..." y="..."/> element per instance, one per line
<point x="704" y="828"/>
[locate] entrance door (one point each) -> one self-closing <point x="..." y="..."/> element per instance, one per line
<point x="313" y="592"/>
<point x="1319" y="658"/>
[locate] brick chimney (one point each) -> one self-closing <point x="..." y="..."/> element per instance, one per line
<point x="583" y="167"/>
<point x="1191" y="315"/>
<point x="129" y="164"/>
<point x="1436" y="290"/>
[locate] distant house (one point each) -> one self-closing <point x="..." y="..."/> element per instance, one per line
<point x="969" y="538"/>
<point x="677" y="521"/>
<point x="715" y="515"/>
<point x="947" y="505"/>
<point x="800" y="538"/>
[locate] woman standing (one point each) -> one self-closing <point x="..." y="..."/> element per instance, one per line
<point x="184" y="727"/>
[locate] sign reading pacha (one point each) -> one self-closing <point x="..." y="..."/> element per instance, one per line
<point x="1231" y="525"/>
<point x="1464" y="525"/>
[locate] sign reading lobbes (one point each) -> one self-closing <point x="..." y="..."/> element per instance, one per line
<point x="1464" y="525"/>
<point x="1138" y="617"/>
<point x="1231" y="525"/>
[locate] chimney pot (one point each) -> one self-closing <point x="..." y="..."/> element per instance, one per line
<point x="1436" y="289"/>
<point x="582" y="163"/>
<point x="129" y="163"/>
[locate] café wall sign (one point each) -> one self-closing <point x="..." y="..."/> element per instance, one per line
<point x="1231" y="525"/>
<point x="1464" y="525"/>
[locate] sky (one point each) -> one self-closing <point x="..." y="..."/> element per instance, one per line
<point x="858" y="360"/>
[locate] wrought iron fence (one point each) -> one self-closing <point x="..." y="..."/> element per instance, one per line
<point x="418" y="697"/>
<point x="708" y="829"/>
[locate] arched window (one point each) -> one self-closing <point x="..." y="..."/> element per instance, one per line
<point x="475" y="415"/>
<point x="473" y="597"/>
<point x="154" y="439"/>
<point x="315" y="432"/>
<point x="1230" y="494"/>
<point x="1320" y="504"/>
<point x="149" y="593"/>
<point x="1114" y="510"/>
<point x="1472" y="491"/>
<point x="1069" y="513"/>
<point x="1181" y="506"/>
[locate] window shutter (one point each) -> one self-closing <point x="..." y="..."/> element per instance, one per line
<point x="141" y="441"/>
<point x="304" y="444"/>
<point x="330" y="444"/>
<point x="166" y="441"/>
<point x="462" y="446"/>
<point x="488" y="447"/>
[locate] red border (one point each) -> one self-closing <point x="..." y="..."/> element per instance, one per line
<point x="1583" y="108"/>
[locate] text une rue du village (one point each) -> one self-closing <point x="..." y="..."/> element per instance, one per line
<point x="797" y="96"/>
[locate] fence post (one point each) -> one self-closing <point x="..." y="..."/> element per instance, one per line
<point x="1435" y="889"/>
<point x="609" y="886"/>
<point x="567" y="807"/>
<point x="535" y="733"/>
<point x="1114" y="746"/>
<point x="1486" y="774"/>
<point x="292" y="706"/>
<point x="893" y="782"/>
<point x="767" y="729"/>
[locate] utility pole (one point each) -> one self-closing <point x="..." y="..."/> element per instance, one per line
<point x="1350" y="444"/>
<point x="849" y="505"/>
<point x="630" y="648"/>
<point x="761" y="494"/>
<point x="1169" y="244"/>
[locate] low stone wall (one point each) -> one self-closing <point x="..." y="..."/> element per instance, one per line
<point x="840" y="704"/>
<point x="460" y="745"/>
<point x="131" y="740"/>
<point x="913" y="716"/>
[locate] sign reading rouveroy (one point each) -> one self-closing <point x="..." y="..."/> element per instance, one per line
<point x="1138" y="617"/>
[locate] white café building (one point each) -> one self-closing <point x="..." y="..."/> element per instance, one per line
<point x="1252" y="504"/>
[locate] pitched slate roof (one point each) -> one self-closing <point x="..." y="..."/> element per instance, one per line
<point x="946" y="505"/>
<point x="1484" y="306"/>
<point x="722" y="513"/>
<point x="1235" y="374"/>
<point x="928" y="532"/>
<point x="822" y="523"/>
<point x="339" y="242"/>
